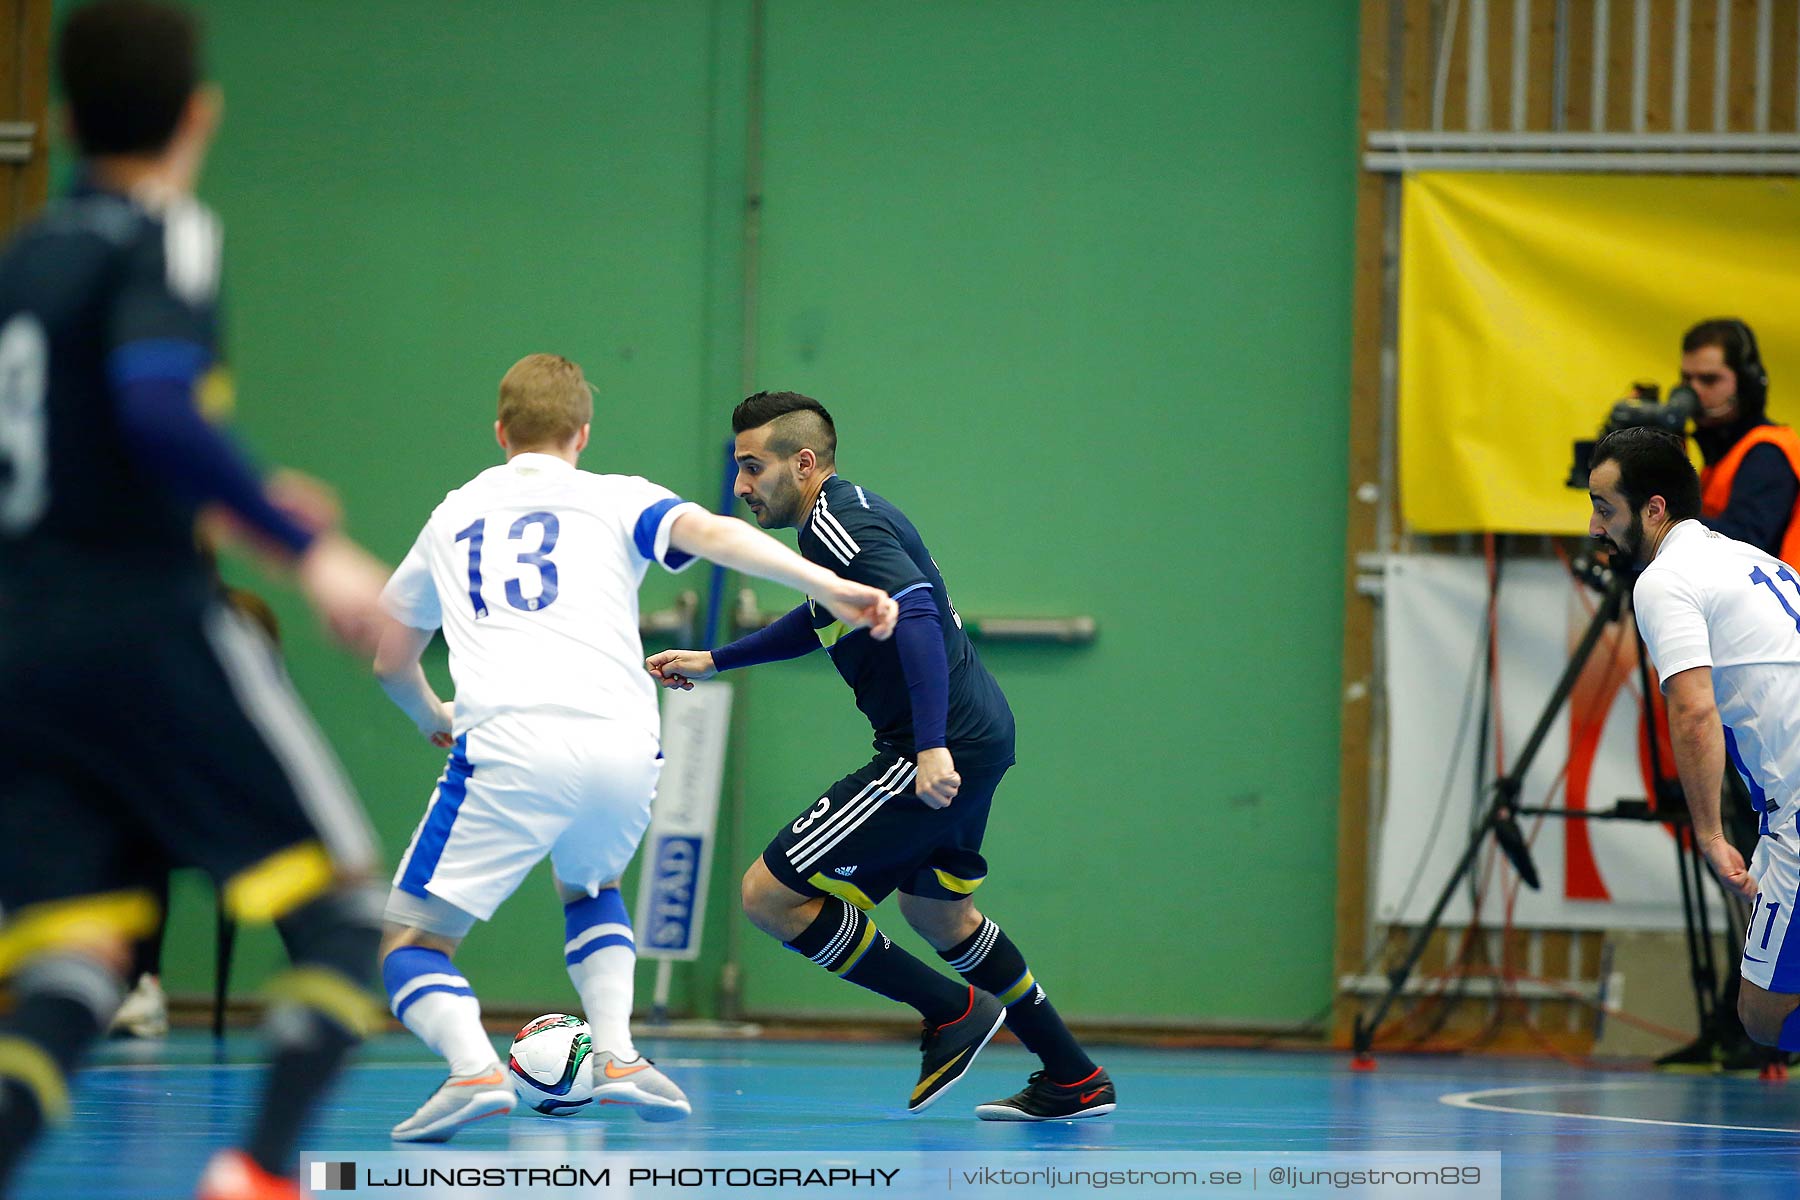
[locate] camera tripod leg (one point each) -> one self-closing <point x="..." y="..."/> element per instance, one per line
<point x="1363" y="1036"/>
<point x="1499" y="820"/>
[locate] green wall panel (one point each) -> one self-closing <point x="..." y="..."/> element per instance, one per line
<point x="415" y="195"/>
<point x="1074" y="280"/>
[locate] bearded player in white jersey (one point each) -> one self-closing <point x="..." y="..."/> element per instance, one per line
<point x="1722" y="622"/>
<point x="532" y="571"/>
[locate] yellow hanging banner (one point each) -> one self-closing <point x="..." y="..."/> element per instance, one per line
<point x="1529" y="303"/>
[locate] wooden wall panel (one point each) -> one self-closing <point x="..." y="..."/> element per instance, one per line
<point x="25" y="96"/>
<point x="1451" y="38"/>
<point x="1660" y="66"/>
<point x="1542" y="92"/>
<point x="1379" y="20"/>
<point x="1500" y="62"/>
<point x="1703" y="37"/>
<point x="1417" y="51"/>
<point x="1741" y="106"/>
<point x="1578" y="100"/>
<point x="1620" y="59"/>
<point x="1785" y="39"/>
<point x="1438" y="35"/>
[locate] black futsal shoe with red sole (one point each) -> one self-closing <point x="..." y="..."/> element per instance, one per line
<point x="1043" y="1100"/>
<point x="947" y="1051"/>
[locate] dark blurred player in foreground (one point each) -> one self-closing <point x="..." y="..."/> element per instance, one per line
<point x="146" y="721"/>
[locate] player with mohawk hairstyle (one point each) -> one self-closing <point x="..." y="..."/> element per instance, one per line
<point x="912" y="819"/>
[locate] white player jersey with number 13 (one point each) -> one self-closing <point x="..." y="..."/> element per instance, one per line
<point x="532" y="570"/>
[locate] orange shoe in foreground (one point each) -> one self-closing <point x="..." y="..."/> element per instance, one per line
<point x="234" y="1175"/>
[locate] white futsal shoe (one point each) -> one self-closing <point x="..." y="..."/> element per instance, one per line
<point x="144" y="1013"/>
<point x="458" y="1101"/>
<point x="639" y="1083"/>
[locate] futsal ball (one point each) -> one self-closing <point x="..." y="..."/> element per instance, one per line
<point x="551" y="1064"/>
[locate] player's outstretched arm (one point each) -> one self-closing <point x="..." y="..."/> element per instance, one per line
<point x="731" y="543"/>
<point x="790" y="636"/>
<point x="286" y="521"/>
<point x="403" y="679"/>
<point x="681" y="669"/>
<point x="342" y="583"/>
<point x="919" y="639"/>
<point x="1699" y="743"/>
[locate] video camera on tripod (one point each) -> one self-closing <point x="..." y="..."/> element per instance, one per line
<point x="1612" y="580"/>
<point x="1642" y="409"/>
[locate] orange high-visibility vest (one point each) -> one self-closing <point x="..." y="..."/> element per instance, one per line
<point x="1716" y="480"/>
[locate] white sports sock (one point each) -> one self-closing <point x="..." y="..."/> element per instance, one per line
<point x="603" y="979"/>
<point x="600" y="953"/>
<point x="451" y="1026"/>
<point x="435" y="1002"/>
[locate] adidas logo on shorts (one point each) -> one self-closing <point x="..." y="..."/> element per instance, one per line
<point x="846" y="872"/>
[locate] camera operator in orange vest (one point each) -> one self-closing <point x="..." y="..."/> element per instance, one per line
<point x="1750" y="485"/>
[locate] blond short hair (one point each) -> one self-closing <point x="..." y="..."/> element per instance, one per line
<point x="544" y="401"/>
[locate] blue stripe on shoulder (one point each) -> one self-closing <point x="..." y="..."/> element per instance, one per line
<point x="643" y="535"/>
<point x="157" y="358"/>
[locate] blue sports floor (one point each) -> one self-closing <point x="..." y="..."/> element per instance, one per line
<point x="147" y="1115"/>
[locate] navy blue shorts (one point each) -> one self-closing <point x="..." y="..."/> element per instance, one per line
<point x="870" y="835"/>
<point x="152" y="743"/>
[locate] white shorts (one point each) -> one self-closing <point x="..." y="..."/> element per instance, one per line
<point x="520" y="786"/>
<point x="1772" y="962"/>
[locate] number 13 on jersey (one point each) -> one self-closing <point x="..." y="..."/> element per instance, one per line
<point x="539" y="559"/>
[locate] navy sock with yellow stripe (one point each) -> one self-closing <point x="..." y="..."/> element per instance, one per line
<point x="63" y="1002"/>
<point x="988" y="959"/>
<point x="319" y="1009"/>
<point x="845" y="942"/>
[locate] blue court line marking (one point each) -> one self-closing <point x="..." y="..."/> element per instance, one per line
<point x="1469" y="1100"/>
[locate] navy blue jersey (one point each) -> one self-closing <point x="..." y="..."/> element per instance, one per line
<point x="862" y="537"/>
<point x="100" y="286"/>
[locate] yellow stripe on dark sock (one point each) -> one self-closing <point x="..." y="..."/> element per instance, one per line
<point x="29" y="1064"/>
<point x="843" y="940"/>
<point x="862" y="948"/>
<point x="279" y="883"/>
<point x="1017" y="991"/>
<point x="331" y="994"/>
<point x="988" y="959"/>
<point x="80" y="921"/>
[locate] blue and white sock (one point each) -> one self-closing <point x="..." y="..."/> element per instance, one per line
<point x="430" y="997"/>
<point x="601" y="955"/>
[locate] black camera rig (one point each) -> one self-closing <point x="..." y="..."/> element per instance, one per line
<point x="1643" y="409"/>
